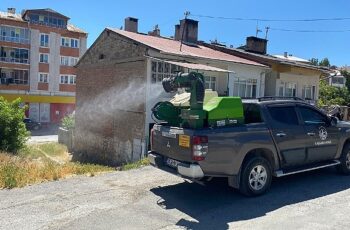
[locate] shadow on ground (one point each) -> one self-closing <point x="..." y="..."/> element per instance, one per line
<point x="216" y="205"/>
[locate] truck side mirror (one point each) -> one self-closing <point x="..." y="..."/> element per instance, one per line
<point x="333" y="121"/>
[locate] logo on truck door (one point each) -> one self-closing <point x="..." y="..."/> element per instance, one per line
<point x="322" y="132"/>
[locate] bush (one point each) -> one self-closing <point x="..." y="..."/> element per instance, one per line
<point x="13" y="133"/>
<point x="331" y="95"/>
<point x="68" y="122"/>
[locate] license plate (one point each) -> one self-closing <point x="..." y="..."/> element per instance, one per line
<point x="184" y="141"/>
<point x="170" y="135"/>
<point x="172" y="163"/>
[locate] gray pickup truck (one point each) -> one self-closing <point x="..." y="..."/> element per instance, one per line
<point x="279" y="137"/>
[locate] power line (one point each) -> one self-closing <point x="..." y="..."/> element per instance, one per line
<point x="271" y="20"/>
<point x="310" y="31"/>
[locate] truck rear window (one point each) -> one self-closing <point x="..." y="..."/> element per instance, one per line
<point x="252" y="113"/>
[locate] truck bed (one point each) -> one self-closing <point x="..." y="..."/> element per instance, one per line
<point x="224" y="145"/>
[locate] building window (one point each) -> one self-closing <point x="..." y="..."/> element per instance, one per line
<point x="73" y="61"/>
<point x="10" y="54"/>
<point x="161" y="69"/>
<point x="64" y="60"/>
<point x="43" y="77"/>
<point x="245" y="88"/>
<point x="49" y="20"/>
<point x="338" y="80"/>
<point x="44" y="58"/>
<point x="74" y="43"/>
<point x="309" y="92"/>
<point x="210" y="83"/>
<point x="287" y="89"/>
<point x="65" y="42"/>
<point x="69" y="61"/>
<point x="14" y="76"/>
<point x="44" y="40"/>
<point x="14" y="34"/>
<point x="70" y="42"/>
<point x="68" y="79"/>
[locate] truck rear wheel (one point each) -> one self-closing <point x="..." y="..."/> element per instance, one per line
<point x="344" y="166"/>
<point x="256" y="177"/>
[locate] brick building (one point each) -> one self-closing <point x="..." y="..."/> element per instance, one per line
<point x="119" y="81"/>
<point x="38" y="51"/>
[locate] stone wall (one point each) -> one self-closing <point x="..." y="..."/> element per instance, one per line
<point x="110" y="102"/>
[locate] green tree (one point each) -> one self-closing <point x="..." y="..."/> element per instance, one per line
<point x="331" y="95"/>
<point x="324" y="62"/>
<point x="346" y="74"/>
<point x="68" y="122"/>
<point x="13" y="133"/>
<point x="314" y="61"/>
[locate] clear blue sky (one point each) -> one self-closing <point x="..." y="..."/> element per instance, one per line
<point x="93" y="16"/>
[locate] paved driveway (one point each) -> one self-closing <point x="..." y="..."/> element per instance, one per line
<point x="150" y="199"/>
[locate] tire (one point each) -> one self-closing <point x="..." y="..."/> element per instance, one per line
<point x="344" y="167"/>
<point x="36" y="127"/>
<point x="251" y="183"/>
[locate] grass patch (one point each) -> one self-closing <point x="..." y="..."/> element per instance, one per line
<point x="38" y="162"/>
<point x="135" y="165"/>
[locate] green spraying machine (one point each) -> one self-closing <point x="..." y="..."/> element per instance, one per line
<point x="200" y="112"/>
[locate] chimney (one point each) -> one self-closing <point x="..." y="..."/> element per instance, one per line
<point x="155" y="32"/>
<point x="256" y="45"/>
<point x="187" y="31"/>
<point x="131" y="24"/>
<point x="177" y="33"/>
<point x="11" y="10"/>
<point x="285" y="54"/>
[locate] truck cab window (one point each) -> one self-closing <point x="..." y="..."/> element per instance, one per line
<point x="252" y="114"/>
<point x="284" y="114"/>
<point x="311" y="116"/>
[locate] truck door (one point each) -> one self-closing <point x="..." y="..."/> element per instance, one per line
<point x="288" y="133"/>
<point x="322" y="138"/>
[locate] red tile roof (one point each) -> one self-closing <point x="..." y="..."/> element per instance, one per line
<point x="171" y="46"/>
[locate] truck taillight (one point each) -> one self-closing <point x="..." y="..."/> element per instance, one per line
<point x="199" y="147"/>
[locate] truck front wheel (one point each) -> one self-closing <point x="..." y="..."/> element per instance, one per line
<point x="256" y="177"/>
<point x="344" y="166"/>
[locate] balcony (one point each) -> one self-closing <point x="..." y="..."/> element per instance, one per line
<point x="15" y="39"/>
<point x="14" y="60"/>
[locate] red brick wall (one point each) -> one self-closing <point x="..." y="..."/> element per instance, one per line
<point x="43" y="86"/>
<point x="67" y="88"/>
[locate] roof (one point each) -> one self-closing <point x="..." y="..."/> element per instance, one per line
<point x="9" y="16"/>
<point x="19" y="18"/>
<point x="291" y="58"/>
<point x="194" y="66"/>
<point x="170" y="46"/>
<point x="73" y="28"/>
<point x="49" y="10"/>
<point x="266" y="58"/>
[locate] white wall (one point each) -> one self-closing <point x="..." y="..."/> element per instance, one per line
<point x="247" y="72"/>
<point x="55" y="61"/>
<point x="301" y="81"/>
<point x="34" y="59"/>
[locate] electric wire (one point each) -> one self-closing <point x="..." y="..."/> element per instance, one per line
<point x="271" y="20"/>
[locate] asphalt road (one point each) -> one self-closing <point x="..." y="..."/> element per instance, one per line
<point x="150" y="199"/>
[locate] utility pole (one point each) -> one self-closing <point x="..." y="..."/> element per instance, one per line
<point x="267" y="31"/>
<point x="187" y="13"/>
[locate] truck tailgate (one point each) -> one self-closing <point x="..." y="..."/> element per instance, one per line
<point x="172" y="142"/>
